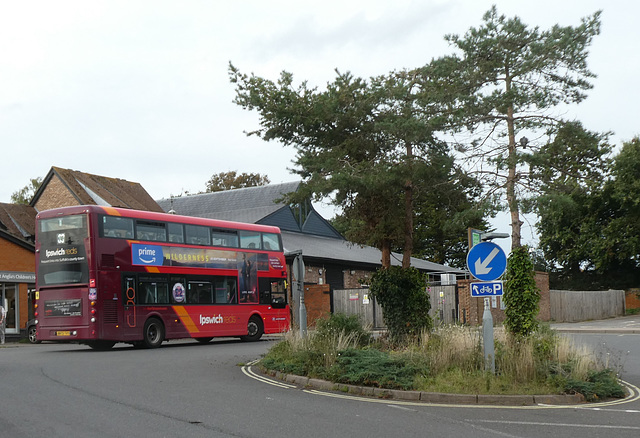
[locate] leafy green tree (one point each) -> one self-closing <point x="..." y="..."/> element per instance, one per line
<point x="232" y="180"/>
<point x="365" y="142"/>
<point x="571" y="172"/>
<point x="24" y="195"/>
<point x="616" y="251"/>
<point x="521" y="294"/>
<point x="515" y="75"/>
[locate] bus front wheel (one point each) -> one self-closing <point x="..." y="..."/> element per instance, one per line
<point x="255" y="329"/>
<point x="153" y="334"/>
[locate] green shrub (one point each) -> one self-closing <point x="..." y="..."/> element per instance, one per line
<point x="372" y="367"/>
<point x="521" y="294"/>
<point x="404" y="300"/>
<point x="598" y="386"/>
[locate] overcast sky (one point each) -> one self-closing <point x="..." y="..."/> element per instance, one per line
<point x="139" y="90"/>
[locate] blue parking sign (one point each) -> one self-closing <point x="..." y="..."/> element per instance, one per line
<point x="486" y="289"/>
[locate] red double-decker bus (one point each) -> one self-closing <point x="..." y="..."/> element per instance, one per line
<point x="107" y="275"/>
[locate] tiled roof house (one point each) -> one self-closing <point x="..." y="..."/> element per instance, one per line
<point x="65" y="187"/>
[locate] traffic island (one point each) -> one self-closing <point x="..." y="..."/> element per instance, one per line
<point x="429" y="397"/>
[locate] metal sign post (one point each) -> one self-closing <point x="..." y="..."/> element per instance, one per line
<point x="298" y="271"/>
<point x="487" y="337"/>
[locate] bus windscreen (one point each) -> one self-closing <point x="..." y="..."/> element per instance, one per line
<point x="63" y="257"/>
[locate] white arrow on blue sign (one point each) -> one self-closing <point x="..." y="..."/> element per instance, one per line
<point x="487" y="289"/>
<point x="486" y="261"/>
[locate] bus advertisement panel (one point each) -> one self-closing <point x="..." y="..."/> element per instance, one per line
<point x="107" y="275"/>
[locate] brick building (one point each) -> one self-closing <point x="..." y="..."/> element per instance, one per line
<point x="65" y="187"/>
<point x="17" y="276"/>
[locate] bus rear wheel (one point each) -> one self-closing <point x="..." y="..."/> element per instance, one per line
<point x="153" y="334"/>
<point x="255" y="329"/>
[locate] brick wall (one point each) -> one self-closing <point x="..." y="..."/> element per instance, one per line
<point x="55" y="195"/>
<point x="631" y="299"/>
<point x="353" y="279"/>
<point x="317" y="301"/>
<point x="16" y="258"/>
<point x="356" y="278"/>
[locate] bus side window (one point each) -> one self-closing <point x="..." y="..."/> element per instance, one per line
<point x="249" y="239"/>
<point x="176" y="232"/>
<point x="153" y="291"/>
<point x="200" y="292"/>
<point x="197" y="235"/>
<point x="278" y="293"/>
<point x="118" y="227"/>
<point x="226" y="238"/>
<point x="226" y="290"/>
<point x="154" y="231"/>
<point x="192" y="294"/>
<point x="271" y="242"/>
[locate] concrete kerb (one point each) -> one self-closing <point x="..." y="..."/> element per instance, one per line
<point x="430" y="397"/>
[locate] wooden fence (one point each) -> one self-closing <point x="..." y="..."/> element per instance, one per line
<point x="574" y="306"/>
<point x="359" y="302"/>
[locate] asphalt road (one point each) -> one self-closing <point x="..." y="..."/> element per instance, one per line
<point x="189" y="390"/>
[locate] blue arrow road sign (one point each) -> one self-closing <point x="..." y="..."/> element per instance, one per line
<point x="486" y="261"/>
<point x="487" y="289"/>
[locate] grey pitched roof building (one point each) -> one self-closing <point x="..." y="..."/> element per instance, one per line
<point x="302" y="227"/>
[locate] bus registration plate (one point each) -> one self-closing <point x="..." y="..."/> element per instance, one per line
<point x="63" y="333"/>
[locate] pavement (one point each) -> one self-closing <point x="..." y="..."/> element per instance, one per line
<point x="620" y="325"/>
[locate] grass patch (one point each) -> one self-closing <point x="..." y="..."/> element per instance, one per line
<point x="448" y="360"/>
